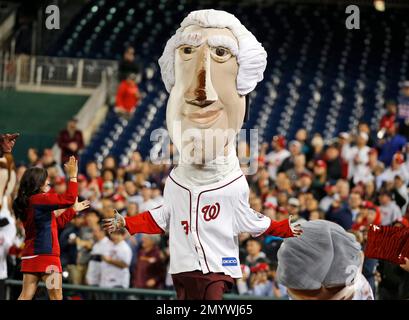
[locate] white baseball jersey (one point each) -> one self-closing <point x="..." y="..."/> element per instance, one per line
<point x="204" y="223"/>
<point x="113" y="276"/>
<point x="100" y="248"/>
<point x="363" y="290"/>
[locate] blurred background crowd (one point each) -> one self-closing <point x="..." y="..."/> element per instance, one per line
<point x="355" y="179"/>
<point x="332" y="115"/>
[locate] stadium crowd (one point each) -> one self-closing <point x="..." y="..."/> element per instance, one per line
<point x="356" y="179"/>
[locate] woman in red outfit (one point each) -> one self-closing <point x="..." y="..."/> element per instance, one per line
<point x="40" y="213"/>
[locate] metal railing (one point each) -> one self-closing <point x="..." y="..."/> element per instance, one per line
<point x="42" y="71"/>
<point x="120" y="293"/>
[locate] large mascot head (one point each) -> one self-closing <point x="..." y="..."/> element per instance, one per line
<point x="324" y="263"/>
<point x="208" y="67"/>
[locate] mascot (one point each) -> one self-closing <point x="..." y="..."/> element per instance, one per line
<point x="208" y="67"/>
<point x="325" y="263"/>
<point x="7" y="221"/>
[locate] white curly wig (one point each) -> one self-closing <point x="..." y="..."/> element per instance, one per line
<point x="251" y="56"/>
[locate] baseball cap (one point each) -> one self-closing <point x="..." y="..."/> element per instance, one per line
<point x="261" y="266"/>
<point x="368" y="205"/>
<point x="118" y="197"/>
<point x="343" y="135"/>
<point x="321" y="163"/>
<point x="398" y="157"/>
<point x="280" y="140"/>
<point x="294" y="202"/>
<point x="329" y="185"/>
<point x="147" y="184"/>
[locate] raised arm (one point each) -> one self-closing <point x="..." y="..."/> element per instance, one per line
<point x="57" y="201"/>
<point x="65" y="200"/>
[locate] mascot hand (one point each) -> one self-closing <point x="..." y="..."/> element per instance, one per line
<point x="115" y="223"/>
<point x="296" y="229"/>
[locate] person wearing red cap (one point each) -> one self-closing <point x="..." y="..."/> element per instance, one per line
<point x="263" y="283"/>
<point x="275" y="158"/>
<point x="397" y="168"/>
<point x="369" y="214"/>
<point x="119" y="203"/>
<point x="388" y="118"/>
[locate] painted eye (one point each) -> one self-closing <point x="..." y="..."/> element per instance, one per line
<point x="221" y="54"/>
<point x="187" y="50"/>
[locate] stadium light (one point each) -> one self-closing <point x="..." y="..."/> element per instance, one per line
<point x="379" y="5"/>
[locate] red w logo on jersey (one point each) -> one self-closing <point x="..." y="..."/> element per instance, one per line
<point x="211" y="212"/>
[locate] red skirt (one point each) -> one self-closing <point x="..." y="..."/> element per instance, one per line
<point x="41" y="264"/>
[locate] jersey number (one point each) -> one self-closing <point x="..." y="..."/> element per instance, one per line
<point x="185" y="225"/>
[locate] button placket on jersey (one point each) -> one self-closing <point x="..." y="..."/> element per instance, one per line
<point x="194" y="231"/>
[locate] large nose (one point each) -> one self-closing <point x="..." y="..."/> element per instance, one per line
<point x="201" y="91"/>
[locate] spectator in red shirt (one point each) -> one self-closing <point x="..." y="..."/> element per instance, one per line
<point x="70" y="141"/>
<point x="127" y="97"/>
<point x="149" y="270"/>
<point x="388" y="118"/>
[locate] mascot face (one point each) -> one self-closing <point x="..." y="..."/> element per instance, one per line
<point x="205" y="111"/>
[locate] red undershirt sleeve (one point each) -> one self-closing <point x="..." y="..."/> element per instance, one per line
<point x="279" y="229"/>
<point x="142" y="223"/>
